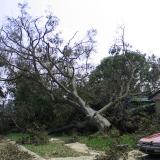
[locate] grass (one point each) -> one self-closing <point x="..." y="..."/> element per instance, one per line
<point x="16" y="136"/>
<point x="129" y="139"/>
<point x="53" y="150"/>
<point x="95" y="142"/>
<point x="57" y="149"/>
<point x="102" y="143"/>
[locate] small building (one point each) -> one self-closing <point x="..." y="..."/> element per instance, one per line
<point x="139" y="103"/>
<point x="156" y="98"/>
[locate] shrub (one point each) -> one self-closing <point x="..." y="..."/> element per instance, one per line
<point x="35" y="137"/>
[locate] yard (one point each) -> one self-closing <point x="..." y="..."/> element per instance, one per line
<point x="59" y="149"/>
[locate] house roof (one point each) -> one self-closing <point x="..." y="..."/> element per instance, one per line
<point x="140" y="99"/>
<point x="154" y="94"/>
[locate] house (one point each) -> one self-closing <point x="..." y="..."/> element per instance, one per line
<point x="139" y="103"/>
<point x="156" y="98"/>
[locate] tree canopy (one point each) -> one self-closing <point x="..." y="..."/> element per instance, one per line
<point x="45" y="74"/>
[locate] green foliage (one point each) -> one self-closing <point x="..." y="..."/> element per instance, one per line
<point x="43" y="74"/>
<point x="35" y="137"/>
<point x="4" y="122"/>
<point x="44" y="66"/>
<point x="33" y="105"/>
<point x="114" y="73"/>
<point x="110" y="80"/>
<point x="32" y="137"/>
<point x="154" y="73"/>
<point x="148" y="126"/>
<point x="16" y="136"/>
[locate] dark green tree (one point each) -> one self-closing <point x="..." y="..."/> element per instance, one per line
<point x="32" y="106"/>
<point x="111" y="77"/>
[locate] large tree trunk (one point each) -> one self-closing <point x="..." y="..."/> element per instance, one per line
<point x="83" y="127"/>
<point x="101" y="122"/>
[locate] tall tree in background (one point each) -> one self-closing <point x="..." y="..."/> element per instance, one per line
<point x="110" y="78"/>
<point x="154" y="73"/>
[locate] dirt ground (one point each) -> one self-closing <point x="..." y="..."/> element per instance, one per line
<point x="9" y="151"/>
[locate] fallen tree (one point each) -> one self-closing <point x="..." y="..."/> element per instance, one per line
<point x="53" y="63"/>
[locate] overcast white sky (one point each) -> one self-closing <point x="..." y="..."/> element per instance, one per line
<point x="140" y="17"/>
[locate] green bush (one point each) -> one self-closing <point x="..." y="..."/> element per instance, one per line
<point x="34" y="137"/>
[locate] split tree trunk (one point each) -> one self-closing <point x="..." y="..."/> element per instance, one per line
<point x="101" y="122"/>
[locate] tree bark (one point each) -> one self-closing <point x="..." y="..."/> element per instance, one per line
<point x="78" y="126"/>
<point x="101" y="122"/>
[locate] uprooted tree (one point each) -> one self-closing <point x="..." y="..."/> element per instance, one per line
<point x="52" y="63"/>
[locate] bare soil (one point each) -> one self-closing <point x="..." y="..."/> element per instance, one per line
<point x="9" y="151"/>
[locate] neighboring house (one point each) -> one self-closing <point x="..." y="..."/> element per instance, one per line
<point x="136" y="101"/>
<point x="140" y="100"/>
<point x="137" y="104"/>
<point x="156" y="98"/>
